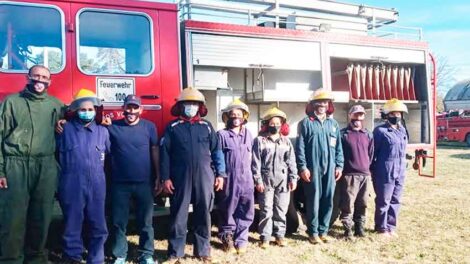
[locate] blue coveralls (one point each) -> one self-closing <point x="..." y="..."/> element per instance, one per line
<point x="82" y="188"/>
<point x="388" y="174"/>
<point x="236" y="206"/>
<point x="188" y="149"/>
<point x="318" y="149"/>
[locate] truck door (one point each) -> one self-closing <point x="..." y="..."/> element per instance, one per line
<point x="114" y="55"/>
<point x="35" y="33"/>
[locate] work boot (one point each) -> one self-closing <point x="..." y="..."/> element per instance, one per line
<point x="348" y="233"/>
<point x="280" y="241"/>
<point x="228" y="245"/>
<point x="325" y="238"/>
<point x="241" y="250"/>
<point x="359" y="230"/>
<point x="264" y="244"/>
<point x="315" y="240"/>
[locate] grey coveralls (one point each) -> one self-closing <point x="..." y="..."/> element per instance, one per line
<point x="274" y="166"/>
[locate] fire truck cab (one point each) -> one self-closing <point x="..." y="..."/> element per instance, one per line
<point x="115" y="48"/>
<point x="264" y="52"/>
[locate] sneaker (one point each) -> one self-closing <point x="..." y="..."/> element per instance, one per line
<point x="315" y="240"/>
<point x="146" y="260"/>
<point x="120" y="261"/>
<point x="280" y="241"/>
<point x="326" y="239"/>
<point x="264" y="244"/>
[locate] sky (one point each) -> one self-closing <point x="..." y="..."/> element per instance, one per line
<point x="445" y="24"/>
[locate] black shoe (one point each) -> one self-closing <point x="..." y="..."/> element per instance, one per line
<point x="348" y="234"/>
<point x="359" y="230"/>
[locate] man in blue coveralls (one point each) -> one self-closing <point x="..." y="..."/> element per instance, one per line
<point x="82" y="185"/>
<point x="189" y="149"/>
<point x="134" y="169"/>
<point x="320" y="163"/>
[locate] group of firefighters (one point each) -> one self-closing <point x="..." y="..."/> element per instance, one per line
<point x="193" y="164"/>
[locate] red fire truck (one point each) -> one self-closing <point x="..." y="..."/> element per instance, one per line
<point x="454" y="126"/>
<point x="263" y="51"/>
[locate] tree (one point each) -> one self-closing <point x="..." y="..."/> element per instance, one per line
<point x="445" y="75"/>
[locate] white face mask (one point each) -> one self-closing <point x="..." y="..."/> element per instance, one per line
<point x="190" y="110"/>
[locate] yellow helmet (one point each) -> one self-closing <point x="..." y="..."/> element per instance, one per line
<point x="84" y="95"/>
<point x="321" y="94"/>
<point x="191" y="94"/>
<point x="235" y="104"/>
<point x="273" y="112"/>
<point x="394" y="105"/>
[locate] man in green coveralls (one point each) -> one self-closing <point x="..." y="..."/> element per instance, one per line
<point x="28" y="169"/>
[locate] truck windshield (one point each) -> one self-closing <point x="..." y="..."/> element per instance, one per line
<point x="113" y="43"/>
<point x="30" y="35"/>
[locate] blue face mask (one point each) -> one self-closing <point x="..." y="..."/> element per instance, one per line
<point x="86" y="116"/>
<point x="190" y="110"/>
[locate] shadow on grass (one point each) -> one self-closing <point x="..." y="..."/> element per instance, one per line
<point x="461" y="156"/>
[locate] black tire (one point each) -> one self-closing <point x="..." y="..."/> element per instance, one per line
<point x="467" y="140"/>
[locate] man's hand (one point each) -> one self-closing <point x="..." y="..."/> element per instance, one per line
<point x="59" y="126"/>
<point x="260" y="187"/>
<point x="219" y="183"/>
<point x="158" y="188"/>
<point x="168" y="187"/>
<point x="3" y="183"/>
<point x="305" y="175"/>
<point x="338" y="174"/>
<point x="292" y="186"/>
<point x="106" y="121"/>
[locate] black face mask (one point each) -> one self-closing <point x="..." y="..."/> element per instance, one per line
<point x="32" y="83"/>
<point x="393" y="120"/>
<point x="274" y="129"/>
<point x="234" y="122"/>
<point x="356" y="123"/>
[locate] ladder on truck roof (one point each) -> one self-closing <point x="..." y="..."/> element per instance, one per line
<point x="312" y="15"/>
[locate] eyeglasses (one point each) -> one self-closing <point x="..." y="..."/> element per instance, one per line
<point x="39" y="77"/>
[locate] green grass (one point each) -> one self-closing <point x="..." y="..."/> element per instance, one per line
<point x="434" y="226"/>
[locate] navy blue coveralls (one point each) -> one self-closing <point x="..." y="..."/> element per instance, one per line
<point x="189" y="152"/>
<point x="388" y="174"/>
<point x="82" y="188"/>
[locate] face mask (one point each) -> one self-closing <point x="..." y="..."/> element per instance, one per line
<point x="234" y="122"/>
<point x="190" y="110"/>
<point x="32" y="83"/>
<point x="393" y="120"/>
<point x="86" y="116"/>
<point x="274" y="129"/>
<point x="356" y="123"/>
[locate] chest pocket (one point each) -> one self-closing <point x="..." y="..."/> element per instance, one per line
<point x="333" y="140"/>
<point x="100" y="152"/>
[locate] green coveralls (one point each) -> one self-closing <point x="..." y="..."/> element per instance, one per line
<point x="27" y="160"/>
<point x="318" y="148"/>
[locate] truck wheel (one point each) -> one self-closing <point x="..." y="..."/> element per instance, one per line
<point x="467" y="140"/>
